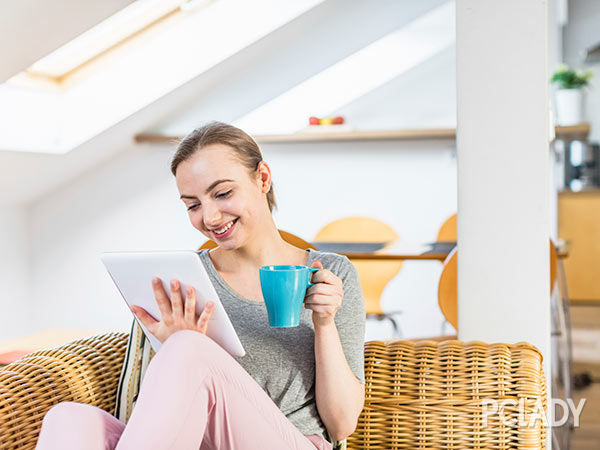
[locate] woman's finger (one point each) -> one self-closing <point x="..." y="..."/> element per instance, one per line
<point x="176" y="301"/>
<point x="322" y="288"/>
<point x="190" y="305"/>
<point x="318" y="299"/>
<point x="147" y="320"/>
<point x="162" y="300"/>
<point x="324" y="276"/>
<point x="323" y="309"/>
<point x="205" y="317"/>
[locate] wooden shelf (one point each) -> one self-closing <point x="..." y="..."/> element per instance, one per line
<point x="573" y="132"/>
<point x="324" y="136"/>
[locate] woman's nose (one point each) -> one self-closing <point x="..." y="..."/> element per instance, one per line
<point x="212" y="216"/>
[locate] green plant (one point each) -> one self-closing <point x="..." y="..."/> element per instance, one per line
<point x="569" y="78"/>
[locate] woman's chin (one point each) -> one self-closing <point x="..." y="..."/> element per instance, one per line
<point x="231" y="243"/>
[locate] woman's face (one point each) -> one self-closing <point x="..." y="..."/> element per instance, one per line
<point x="224" y="201"/>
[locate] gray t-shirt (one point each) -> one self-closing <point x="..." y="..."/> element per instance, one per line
<point x="282" y="360"/>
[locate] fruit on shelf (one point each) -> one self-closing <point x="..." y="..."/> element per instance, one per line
<point x="338" y="120"/>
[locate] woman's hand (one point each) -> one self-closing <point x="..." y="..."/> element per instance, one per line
<point x="325" y="297"/>
<point x="175" y="315"/>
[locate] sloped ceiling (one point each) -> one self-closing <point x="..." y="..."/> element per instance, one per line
<point x="297" y="50"/>
<point x="31" y="29"/>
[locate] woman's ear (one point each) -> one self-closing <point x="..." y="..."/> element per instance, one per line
<point x="264" y="176"/>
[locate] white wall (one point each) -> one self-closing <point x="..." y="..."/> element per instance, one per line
<point x="132" y="204"/>
<point x="16" y="300"/>
<point x="504" y="221"/>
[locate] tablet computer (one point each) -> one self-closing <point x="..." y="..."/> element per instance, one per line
<point x="132" y="273"/>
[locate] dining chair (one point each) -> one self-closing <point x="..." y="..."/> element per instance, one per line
<point x="447" y="287"/>
<point x="447" y="232"/>
<point x="290" y="238"/>
<point x="374" y="275"/>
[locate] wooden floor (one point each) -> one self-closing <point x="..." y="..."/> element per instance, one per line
<point x="587" y="435"/>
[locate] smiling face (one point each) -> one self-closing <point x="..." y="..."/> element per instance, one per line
<point x="224" y="200"/>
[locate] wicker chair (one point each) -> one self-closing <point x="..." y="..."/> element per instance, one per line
<point x="422" y="394"/>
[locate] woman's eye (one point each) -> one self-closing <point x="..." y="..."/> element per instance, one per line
<point x="225" y="194"/>
<point x="193" y="207"/>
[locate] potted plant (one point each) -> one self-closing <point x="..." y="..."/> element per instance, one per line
<point x="569" y="95"/>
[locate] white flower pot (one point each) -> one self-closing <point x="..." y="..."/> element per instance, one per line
<point x="569" y="106"/>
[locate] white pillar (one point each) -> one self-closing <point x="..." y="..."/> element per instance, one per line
<point x="503" y="172"/>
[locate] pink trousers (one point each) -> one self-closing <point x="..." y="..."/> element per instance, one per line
<point x="194" y="396"/>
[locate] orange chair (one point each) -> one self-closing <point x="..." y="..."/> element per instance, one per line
<point x="447" y="288"/>
<point x="373" y="275"/>
<point x="287" y="237"/>
<point x="447" y="232"/>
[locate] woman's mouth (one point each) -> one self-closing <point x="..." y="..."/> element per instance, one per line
<point x="225" y="230"/>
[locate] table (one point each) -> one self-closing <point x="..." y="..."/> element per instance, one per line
<point x="401" y="250"/>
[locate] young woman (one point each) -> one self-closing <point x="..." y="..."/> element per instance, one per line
<point x="294" y="388"/>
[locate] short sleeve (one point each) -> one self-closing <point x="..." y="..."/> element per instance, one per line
<point x="350" y="318"/>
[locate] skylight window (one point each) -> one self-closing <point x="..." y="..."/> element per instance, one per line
<point x="108" y="34"/>
<point x="356" y="75"/>
<point x="68" y="111"/>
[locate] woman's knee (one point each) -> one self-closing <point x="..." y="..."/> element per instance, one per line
<point x="190" y="342"/>
<point x="66" y="415"/>
<point x="188" y="347"/>
<point x="78" y="425"/>
<point x="64" y="412"/>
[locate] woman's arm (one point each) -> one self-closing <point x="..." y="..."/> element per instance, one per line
<point x="339" y="394"/>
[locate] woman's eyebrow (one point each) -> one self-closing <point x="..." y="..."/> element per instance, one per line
<point x="210" y="188"/>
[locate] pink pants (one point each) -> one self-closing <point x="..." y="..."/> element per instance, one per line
<point x="194" y="396"/>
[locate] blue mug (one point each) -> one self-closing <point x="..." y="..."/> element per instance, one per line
<point x="284" y="288"/>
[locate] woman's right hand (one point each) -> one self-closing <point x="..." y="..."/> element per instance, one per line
<point x="175" y="315"/>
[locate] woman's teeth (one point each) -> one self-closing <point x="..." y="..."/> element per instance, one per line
<point x="225" y="228"/>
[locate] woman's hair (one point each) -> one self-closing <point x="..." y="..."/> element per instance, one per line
<point x="244" y="147"/>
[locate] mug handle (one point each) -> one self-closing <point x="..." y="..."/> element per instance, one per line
<point x="312" y="270"/>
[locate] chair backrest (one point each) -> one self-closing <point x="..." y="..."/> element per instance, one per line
<point x="447" y="287"/>
<point x="428" y="394"/>
<point x="287" y="237"/>
<point x="373" y="275"/>
<point x="447" y="232"/>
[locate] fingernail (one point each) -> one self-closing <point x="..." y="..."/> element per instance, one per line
<point x="189" y="290"/>
<point x="173" y="283"/>
<point x="155" y="280"/>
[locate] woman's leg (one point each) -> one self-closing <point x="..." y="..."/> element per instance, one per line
<point x="195" y="394"/>
<point x="75" y="426"/>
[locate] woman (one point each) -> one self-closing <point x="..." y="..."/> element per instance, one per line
<point x="293" y="387"/>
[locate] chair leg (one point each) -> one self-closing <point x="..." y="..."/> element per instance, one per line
<point x="397" y="330"/>
<point x="389" y="316"/>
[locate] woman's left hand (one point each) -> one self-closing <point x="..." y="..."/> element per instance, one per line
<point x="325" y="297"/>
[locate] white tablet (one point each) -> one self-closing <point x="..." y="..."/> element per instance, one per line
<point x="132" y="273"/>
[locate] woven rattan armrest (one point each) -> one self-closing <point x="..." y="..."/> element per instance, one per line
<point x="429" y="394"/>
<point x="86" y="371"/>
